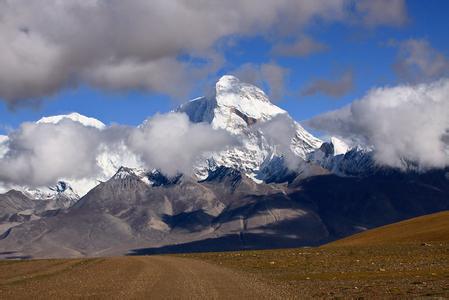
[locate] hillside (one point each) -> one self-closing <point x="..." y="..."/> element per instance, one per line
<point x="428" y="228"/>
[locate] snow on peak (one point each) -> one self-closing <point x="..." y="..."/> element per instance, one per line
<point x="228" y="81"/>
<point x="236" y="107"/>
<point x="76" y="117"/>
<point x="340" y="147"/>
<point x="229" y="84"/>
<point x="62" y="187"/>
<point x="56" y="197"/>
<point x="239" y="102"/>
<point x="126" y="172"/>
<point x="123" y="173"/>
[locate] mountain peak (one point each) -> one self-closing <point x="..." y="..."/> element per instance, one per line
<point x="234" y="106"/>
<point x="124" y="173"/>
<point x="340" y="147"/>
<point x="229" y="84"/>
<point x="76" y="117"/>
<point x="239" y="104"/>
<point x="228" y="80"/>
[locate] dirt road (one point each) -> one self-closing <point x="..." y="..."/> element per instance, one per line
<point x="155" y="277"/>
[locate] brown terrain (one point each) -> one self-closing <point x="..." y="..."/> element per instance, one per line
<point x="429" y="228"/>
<point x="158" y="277"/>
<point x="403" y="260"/>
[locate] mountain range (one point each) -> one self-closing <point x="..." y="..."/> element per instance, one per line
<point x="274" y="188"/>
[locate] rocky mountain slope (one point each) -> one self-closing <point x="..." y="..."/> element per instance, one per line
<point x="226" y="211"/>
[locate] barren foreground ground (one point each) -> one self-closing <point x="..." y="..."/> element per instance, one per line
<point x="126" y="278"/>
<point x="403" y="260"/>
<point x="370" y="272"/>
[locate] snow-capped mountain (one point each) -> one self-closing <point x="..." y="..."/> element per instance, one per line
<point x="108" y="160"/>
<point x="59" y="196"/>
<point x="239" y="108"/>
<point x="340" y="159"/>
<point x="67" y="191"/>
<point x="233" y="201"/>
<point x="340" y="147"/>
<point x="76" y="117"/>
<point x="24" y="204"/>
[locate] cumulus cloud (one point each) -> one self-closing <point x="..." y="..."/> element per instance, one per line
<point x="304" y="46"/>
<point x="333" y="88"/>
<point x="280" y="131"/>
<point x="173" y="144"/>
<point x="3" y="145"/>
<point x="404" y="124"/>
<point x="40" y="154"/>
<point x="419" y="61"/>
<point x="269" y="75"/>
<point x="159" y="45"/>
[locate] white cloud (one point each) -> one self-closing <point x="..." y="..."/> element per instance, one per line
<point x="41" y="154"/>
<point x="173" y="144"/>
<point x="407" y="123"/>
<point x="280" y="132"/>
<point x="3" y="145"/>
<point x="49" y="45"/>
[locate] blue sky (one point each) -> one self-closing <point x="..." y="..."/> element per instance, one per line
<point x="366" y="52"/>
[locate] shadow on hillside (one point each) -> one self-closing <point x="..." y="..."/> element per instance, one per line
<point x="13" y="255"/>
<point x="233" y="242"/>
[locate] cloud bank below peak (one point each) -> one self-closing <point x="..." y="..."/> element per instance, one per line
<point x="40" y="154"/>
<point x="404" y="124"/>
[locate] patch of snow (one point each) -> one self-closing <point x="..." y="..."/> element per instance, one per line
<point x="26" y="212"/>
<point x="237" y="101"/>
<point x="340" y="147"/>
<point x="123" y="173"/>
<point x="158" y="224"/>
<point x="76" y="117"/>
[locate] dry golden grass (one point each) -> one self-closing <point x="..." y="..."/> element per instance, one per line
<point x="425" y="229"/>
<point x="407" y="270"/>
<point x="406" y="259"/>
